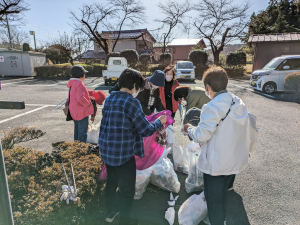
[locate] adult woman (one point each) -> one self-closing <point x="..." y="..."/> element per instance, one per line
<point x="166" y="93"/>
<point x="122" y="129"/>
<point x="80" y="105"/>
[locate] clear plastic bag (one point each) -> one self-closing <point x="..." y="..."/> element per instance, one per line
<point x="180" y="159"/>
<point x="170" y="215"/>
<point x="170" y="138"/>
<point x="164" y="176"/>
<point x="92" y="134"/>
<point x="193" y="210"/>
<point x="194" y="182"/>
<point x="142" y="181"/>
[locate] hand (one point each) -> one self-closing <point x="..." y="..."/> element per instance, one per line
<point x="93" y="119"/>
<point x="185" y="128"/>
<point x="163" y="119"/>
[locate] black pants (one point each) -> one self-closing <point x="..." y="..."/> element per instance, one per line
<point x="216" y="191"/>
<point x="124" y="177"/>
<point x="173" y="114"/>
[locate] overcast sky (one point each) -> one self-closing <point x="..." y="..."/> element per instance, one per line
<point x="48" y="18"/>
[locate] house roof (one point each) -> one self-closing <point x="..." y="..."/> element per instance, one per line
<point x="126" y="34"/>
<point x="159" y="45"/>
<point x="91" y="54"/>
<point x="280" y="37"/>
<point x="184" y="42"/>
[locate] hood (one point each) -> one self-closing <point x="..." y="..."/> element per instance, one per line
<point x="238" y="111"/>
<point x="259" y="72"/>
<point x="72" y="81"/>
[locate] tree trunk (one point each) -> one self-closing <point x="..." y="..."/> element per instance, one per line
<point x="71" y="61"/>
<point x="216" y="58"/>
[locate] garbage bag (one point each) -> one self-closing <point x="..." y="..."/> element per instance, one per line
<point x="152" y="150"/>
<point x="170" y="138"/>
<point x="253" y="131"/>
<point x="141" y="183"/>
<point x="194" y="182"/>
<point x="92" y="134"/>
<point x="170" y="215"/>
<point x="193" y="210"/>
<point x="180" y="159"/>
<point x="164" y="176"/>
<point x="103" y="174"/>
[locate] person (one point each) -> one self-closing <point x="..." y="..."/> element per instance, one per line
<point x="122" y="129"/>
<point x="149" y="96"/>
<point x="224" y="131"/>
<point x="80" y="105"/>
<point x="166" y="93"/>
<point x="99" y="97"/>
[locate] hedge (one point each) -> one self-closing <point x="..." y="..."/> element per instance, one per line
<point x="35" y="180"/>
<point x="145" y="59"/>
<point x="131" y="56"/>
<point x="155" y="67"/>
<point x="111" y="54"/>
<point x="165" y="58"/>
<point x="199" y="71"/>
<point x="198" y="57"/>
<point x="234" y="72"/>
<point x="292" y="83"/>
<point x="63" y="70"/>
<point x="236" y="58"/>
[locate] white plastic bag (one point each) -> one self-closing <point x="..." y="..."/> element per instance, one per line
<point x="170" y="138"/>
<point x="92" y="134"/>
<point x="141" y="183"/>
<point x="253" y="131"/>
<point x="194" y="182"/>
<point x="164" y="176"/>
<point x="180" y="159"/>
<point x="170" y="215"/>
<point x="193" y="210"/>
<point x="206" y="220"/>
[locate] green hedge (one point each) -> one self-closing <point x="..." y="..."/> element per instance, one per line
<point x="198" y="57"/>
<point x="199" y="71"/>
<point x="292" y="83"/>
<point x="234" y="72"/>
<point x="155" y="67"/>
<point x="63" y="70"/>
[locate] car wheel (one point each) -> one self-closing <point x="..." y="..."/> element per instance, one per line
<point x="269" y="88"/>
<point x="106" y="83"/>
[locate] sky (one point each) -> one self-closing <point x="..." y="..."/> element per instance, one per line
<point x="50" y="18"/>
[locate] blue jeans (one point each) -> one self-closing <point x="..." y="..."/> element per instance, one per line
<point x="80" y="129"/>
<point x="216" y="191"/>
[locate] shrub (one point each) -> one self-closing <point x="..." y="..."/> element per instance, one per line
<point x="200" y="69"/>
<point x="51" y="71"/>
<point x="154" y="67"/>
<point x="98" y="68"/>
<point x="111" y="54"/>
<point x="26" y="47"/>
<point x="234" y="72"/>
<point x="236" y="59"/>
<point x="131" y="56"/>
<point x="165" y="59"/>
<point x="145" y="59"/>
<point x="198" y="57"/>
<point x="292" y="83"/>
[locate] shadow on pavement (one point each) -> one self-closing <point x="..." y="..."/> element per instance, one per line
<point x="236" y="213"/>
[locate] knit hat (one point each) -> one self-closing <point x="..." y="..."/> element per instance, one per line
<point x="158" y="78"/>
<point x="78" y="71"/>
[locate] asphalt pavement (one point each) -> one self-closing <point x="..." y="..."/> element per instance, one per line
<point x="267" y="192"/>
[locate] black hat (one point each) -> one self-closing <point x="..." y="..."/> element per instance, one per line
<point x="78" y="71"/>
<point x="192" y="116"/>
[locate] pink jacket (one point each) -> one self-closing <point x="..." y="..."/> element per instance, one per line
<point x="79" y="100"/>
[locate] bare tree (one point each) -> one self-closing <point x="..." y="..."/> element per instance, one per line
<point x="71" y="46"/>
<point x="19" y="37"/>
<point x="89" y="19"/>
<point x="12" y="7"/>
<point x="175" y="13"/>
<point x="128" y="11"/>
<point x="221" y="22"/>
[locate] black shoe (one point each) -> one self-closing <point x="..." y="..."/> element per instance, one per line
<point x="110" y="216"/>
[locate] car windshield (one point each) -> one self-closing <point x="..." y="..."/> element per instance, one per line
<point x="185" y="65"/>
<point x="117" y="62"/>
<point x="272" y="65"/>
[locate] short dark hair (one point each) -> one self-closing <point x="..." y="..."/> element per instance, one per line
<point x="129" y="77"/>
<point x="171" y="68"/>
<point x="216" y="77"/>
<point x="181" y="92"/>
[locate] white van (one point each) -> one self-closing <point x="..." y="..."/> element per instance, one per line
<point x="116" y="65"/>
<point x="271" y="78"/>
<point x="185" y="70"/>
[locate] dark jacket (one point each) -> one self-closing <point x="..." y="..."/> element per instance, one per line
<point x="143" y="97"/>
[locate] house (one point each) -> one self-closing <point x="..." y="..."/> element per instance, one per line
<point x="180" y="48"/>
<point x="92" y="56"/>
<point x="268" y="46"/>
<point x="140" y="40"/>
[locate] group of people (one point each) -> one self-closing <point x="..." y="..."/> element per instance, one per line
<point x="223" y="131"/>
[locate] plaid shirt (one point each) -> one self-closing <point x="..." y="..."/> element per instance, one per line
<point x="151" y="98"/>
<point x="122" y="129"/>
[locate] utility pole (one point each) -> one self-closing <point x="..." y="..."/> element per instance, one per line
<point x="8" y="32"/>
<point x="33" y="33"/>
<point x="189" y="28"/>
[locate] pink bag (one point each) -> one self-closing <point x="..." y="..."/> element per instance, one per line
<point x="102" y="174"/>
<point x="152" y="150"/>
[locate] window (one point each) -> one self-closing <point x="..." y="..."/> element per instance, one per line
<point x="117" y="62"/>
<point x="294" y="64"/>
<point x="174" y="51"/>
<point x="185" y="65"/>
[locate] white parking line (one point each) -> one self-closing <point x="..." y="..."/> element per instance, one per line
<point x="15" y="82"/>
<point x="39" y="105"/>
<point x="23" y="114"/>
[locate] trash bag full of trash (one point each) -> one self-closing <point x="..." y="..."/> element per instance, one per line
<point x="141" y="183"/>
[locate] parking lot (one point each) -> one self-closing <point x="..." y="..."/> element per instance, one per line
<point x="267" y="192"/>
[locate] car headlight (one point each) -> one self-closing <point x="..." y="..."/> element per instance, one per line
<point x="264" y="73"/>
<point x="178" y="71"/>
<point x="193" y="72"/>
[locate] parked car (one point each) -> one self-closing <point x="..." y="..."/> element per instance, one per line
<point x="271" y="78"/>
<point x="185" y="70"/>
<point x="115" y="66"/>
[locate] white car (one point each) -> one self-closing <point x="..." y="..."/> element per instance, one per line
<point x="185" y="70"/>
<point x="271" y="78"/>
<point x="116" y="65"/>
